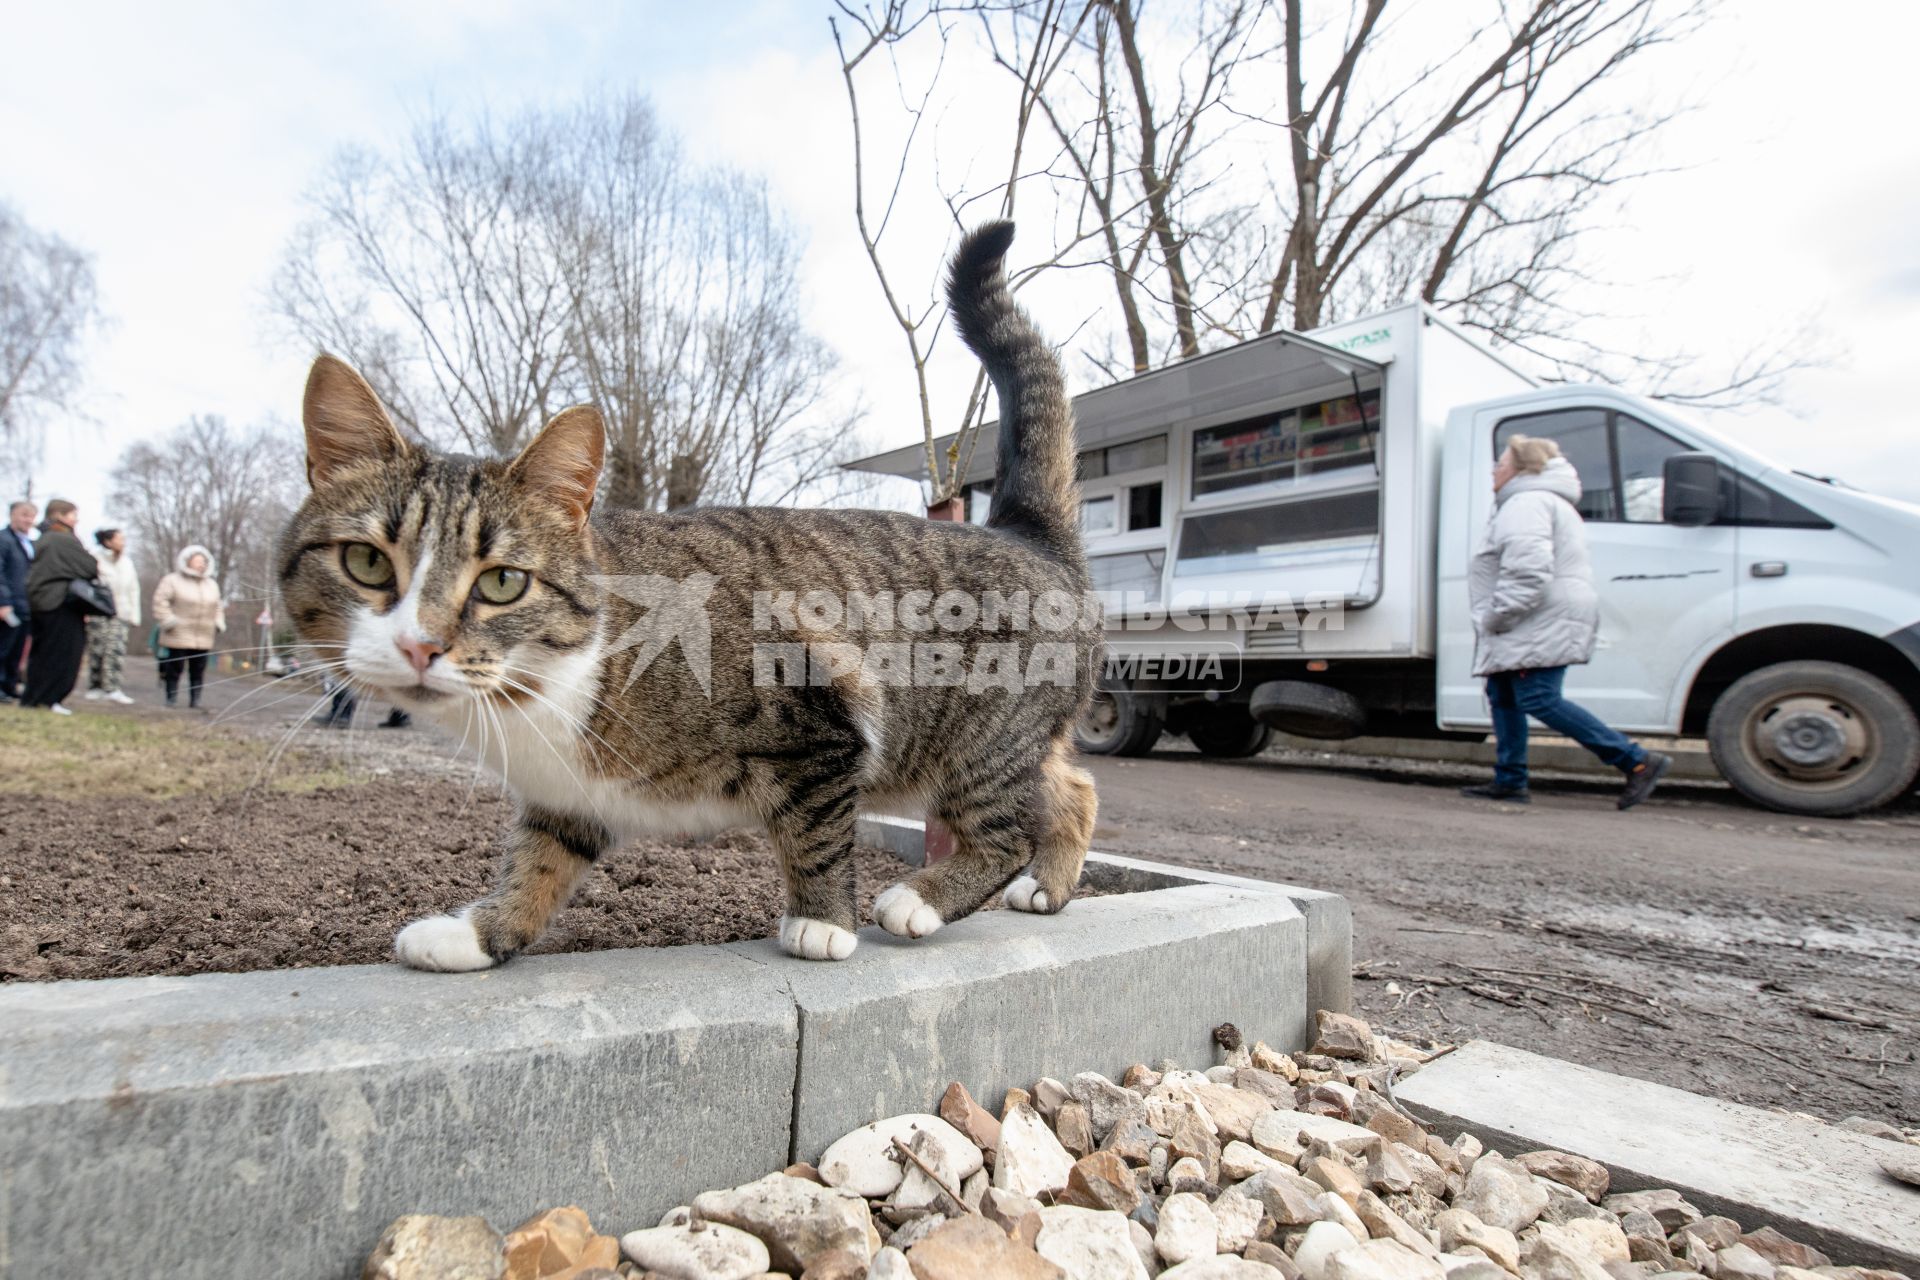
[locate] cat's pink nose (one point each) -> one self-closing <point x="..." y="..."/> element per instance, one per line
<point x="419" y="652"/>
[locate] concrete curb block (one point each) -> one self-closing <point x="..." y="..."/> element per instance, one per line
<point x="1329" y="917"/>
<point x="1817" y="1183"/>
<point x="272" y="1123"/>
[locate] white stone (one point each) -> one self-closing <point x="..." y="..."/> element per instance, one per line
<point x="1187" y="1229"/>
<point x="865" y="1162"/>
<point x="917" y="1230"/>
<point x="916" y="1189"/>
<point x="1143" y="1245"/>
<point x="1030" y="1160"/>
<point x="1382" y="1260"/>
<point x="1187" y="1174"/>
<point x="708" y="1251"/>
<point x="1048" y="1094"/>
<point x="890" y="1264"/>
<point x="1220" y="1075"/>
<point x="1106" y="1102"/>
<point x="1164" y="1114"/>
<point x="1458" y="1229"/>
<point x="1241" y="1161"/>
<point x="1502" y="1194"/>
<point x="1088" y="1244"/>
<point x="1551" y="1253"/>
<point x="795" y="1217"/>
<point x="1279" y="1134"/>
<point x="1471" y="1266"/>
<point x="1239" y="1217"/>
<point x="1336" y="1210"/>
<point x="1602" y="1238"/>
<point x="1223" y="1267"/>
<point x="1323" y="1241"/>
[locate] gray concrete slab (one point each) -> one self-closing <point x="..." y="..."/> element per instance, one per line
<point x="1329" y="916"/>
<point x="1001" y="998"/>
<point x="1814" y="1182"/>
<point x="272" y="1123"/>
<point x="1329" y="920"/>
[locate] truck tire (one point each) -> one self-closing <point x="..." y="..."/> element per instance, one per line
<point x="1308" y="710"/>
<point x="1814" y="737"/>
<point x="1117" y="725"/>
<point x="1226" y="732"/>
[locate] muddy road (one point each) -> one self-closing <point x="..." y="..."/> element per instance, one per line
<point x="1695" y="941"/>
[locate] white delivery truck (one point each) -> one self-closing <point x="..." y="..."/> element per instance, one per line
<point x="1350" y="471"/>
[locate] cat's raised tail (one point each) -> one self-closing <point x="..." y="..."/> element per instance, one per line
<point x="1035" y="493"/>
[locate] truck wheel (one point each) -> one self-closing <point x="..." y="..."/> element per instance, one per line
<point x="1226" y="732"/>
<point x="1814" y="737"/>
<point x="1307" y="709"/>
<point x="1117" y="725"/>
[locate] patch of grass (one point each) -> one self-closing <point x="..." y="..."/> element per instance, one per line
<point x="61" y="757"/>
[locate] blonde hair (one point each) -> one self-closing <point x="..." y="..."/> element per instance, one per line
<point x="1531" y="454"/>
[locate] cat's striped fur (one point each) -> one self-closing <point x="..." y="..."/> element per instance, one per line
<point x="600" y="738"/>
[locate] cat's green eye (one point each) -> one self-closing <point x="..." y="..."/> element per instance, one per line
<point x="367" y="564"/>
<point x="502" y="586"/>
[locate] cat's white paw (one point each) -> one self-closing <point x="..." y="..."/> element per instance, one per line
<point x="1025" y="894"/>
<point x="816" y="939"/>
<point x="444" y="944"/>
<point x="904" y="913"/>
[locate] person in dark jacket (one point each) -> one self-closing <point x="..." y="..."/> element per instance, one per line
<point x="16" y="557"/>
<point x="59" y="627"/>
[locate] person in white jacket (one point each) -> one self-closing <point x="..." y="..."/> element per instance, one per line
<point x="1535" y="613"/>
<point x="107" y="637"/>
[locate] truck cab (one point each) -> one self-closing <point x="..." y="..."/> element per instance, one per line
<point x="1772" y="612"/>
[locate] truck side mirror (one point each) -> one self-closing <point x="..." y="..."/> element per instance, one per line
<point x="1690" y="493"/>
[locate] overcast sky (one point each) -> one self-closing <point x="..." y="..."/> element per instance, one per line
<point x="173" y="142"/>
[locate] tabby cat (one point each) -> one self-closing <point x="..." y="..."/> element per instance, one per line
<point x="486" y="596"/>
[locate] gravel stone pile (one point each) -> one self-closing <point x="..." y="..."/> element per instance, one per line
<point x="1269" y="1166"/>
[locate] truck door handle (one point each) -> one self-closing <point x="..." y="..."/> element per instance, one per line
<point x="1768" y="568"/>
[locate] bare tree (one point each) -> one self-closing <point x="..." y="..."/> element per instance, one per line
<point x="1242" y="164"/>
<point x="205" y="482"/>
<point x="427" y="269"/>
<point x="48" y="304"/>
<point x="489" y="275"/>
<point x="684" y="323"/>
<point x="1033" y="54"/>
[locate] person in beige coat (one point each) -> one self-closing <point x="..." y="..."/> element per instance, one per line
<point x="190" y="614"/>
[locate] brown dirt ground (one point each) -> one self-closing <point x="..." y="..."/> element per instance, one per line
<point x="142" y="841"/>
<point x="227" y="884"/>
<point x="1696" y="941"/>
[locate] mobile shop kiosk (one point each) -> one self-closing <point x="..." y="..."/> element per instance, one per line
<point x="1348" y="471"/>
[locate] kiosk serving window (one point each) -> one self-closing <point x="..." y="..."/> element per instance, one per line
<point x="1256" y="537"/>
<point x="1284" y="447"/>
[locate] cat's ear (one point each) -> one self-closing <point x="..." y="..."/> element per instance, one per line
<point x="346" y="427"/>
<point x="562" y="464"/>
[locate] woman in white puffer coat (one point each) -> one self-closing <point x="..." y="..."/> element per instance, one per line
<point x="1536" y="613"/>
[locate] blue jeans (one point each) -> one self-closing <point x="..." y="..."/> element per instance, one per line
<point x="1515" y="695"/>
